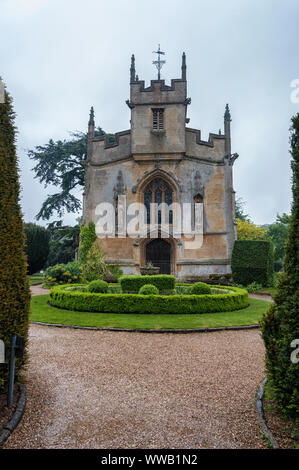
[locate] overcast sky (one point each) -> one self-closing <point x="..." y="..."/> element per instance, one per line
<point x="58" y="58"/>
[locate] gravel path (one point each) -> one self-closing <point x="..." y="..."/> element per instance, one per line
<point x="39" y="290"/>
<point x="97" y="389"/>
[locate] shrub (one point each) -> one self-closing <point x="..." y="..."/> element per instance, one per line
<point x="222" y="279"/>
<point x="36" y="247"/>
<point x="115" y="272"/>
<point x="200" y="288"/>
<point x="14" y="287"/>
<point x="98" y="286"/>
<point x="280" y="325"/>
<point x="62" y="273"/>
<point x="94" y="267"/>
<point x="132" y="284"/>
<point x="183" y="289"/>
<point x="148" y="289"/>
<point x="155" y="304"/>
<point x="254" y="287"/>
<point x="252" y="261"/>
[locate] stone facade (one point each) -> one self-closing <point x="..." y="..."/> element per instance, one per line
<point x="160" y="148"/>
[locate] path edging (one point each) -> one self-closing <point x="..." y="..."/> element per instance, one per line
<point x="136" y="330"/>
<point x="16" y="417"/>
<point x="260" y="411"/>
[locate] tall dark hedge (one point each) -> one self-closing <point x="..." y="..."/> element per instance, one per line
<point x="253" y="261"/>
<point x="280" y="325"/>
<point x="14" y="288"/>
<point x="36" y="247"/>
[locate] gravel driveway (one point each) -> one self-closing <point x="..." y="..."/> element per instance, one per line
<point x="99" y="389"/>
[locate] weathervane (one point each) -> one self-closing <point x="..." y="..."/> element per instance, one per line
<point x="159" y="63"/>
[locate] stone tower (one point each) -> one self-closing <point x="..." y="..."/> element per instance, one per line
<point x="161" y="160"/>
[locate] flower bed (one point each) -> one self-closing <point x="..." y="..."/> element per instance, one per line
<point x="63" y="297"/>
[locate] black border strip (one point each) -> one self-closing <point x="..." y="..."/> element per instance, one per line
<point x="260" y="411"/>
<point x="135" y="330"/>
<point x="16" y="418"/>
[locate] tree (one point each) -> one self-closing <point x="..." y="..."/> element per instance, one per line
<point x="64" y="243"/>
<point x="240" y="214"/>
<point x="278" y="234"/>
<point x="14" y="287"/>
<point x="36" y="247"/>
<point x="87" y="238"/>
<point x="280" y="324"/>
<point x="61" y="164"/>
<point x="94" y="266"/>
<point x="249" y="231"/>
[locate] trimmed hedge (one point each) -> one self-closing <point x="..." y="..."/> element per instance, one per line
<point x="98" y="286"/>
<point x="157" y="304"/>
<point x="200" y="288"/>
<point x="148" y="289"/>
<point x="14" y="286"/>
<point x="253" y="261"/>
<point x="131" y="284"/>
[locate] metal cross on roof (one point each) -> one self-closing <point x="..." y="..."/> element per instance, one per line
<point x="159" y="63"/>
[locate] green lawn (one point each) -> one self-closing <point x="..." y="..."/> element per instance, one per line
<point x="267" y="290"/>
<point x="35" y="279"/>
<point x="42" y="312"/>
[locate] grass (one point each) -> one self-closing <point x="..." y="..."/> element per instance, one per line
<point x="35" y="279"/>
<point x="42" y="312"/>
<point x="267" y="290"/>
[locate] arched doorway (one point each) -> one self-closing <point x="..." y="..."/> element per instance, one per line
<point x="158" y="252"/>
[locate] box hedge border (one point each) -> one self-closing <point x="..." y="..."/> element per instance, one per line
<point x="131" y="284"/>
<point x="152" y="304"/>
<point x="252" y="260"/>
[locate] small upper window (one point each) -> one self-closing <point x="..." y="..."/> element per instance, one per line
<point x="158" y="119"/>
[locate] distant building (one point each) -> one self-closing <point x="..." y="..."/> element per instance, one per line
<point x="159" y="159"/>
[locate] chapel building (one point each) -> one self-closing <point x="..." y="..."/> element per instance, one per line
<point x="159" y="159"/>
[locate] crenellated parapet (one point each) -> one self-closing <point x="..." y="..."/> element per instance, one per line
<point x="211" y="150"/>
<point x="158" y="93"/>
<point x="104" y="151"/>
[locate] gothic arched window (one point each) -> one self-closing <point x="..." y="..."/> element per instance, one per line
<point x="198" y="199"/>
<point x="159" y="192"/>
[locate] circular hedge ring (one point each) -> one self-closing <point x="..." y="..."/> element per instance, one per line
<point x="233" y="298"/>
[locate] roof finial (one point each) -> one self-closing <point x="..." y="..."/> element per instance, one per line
<point x="159" y="63"/>
<point x="132" y="69"/>
<point x="227" y="116"/>
<point x="227" y="120"/>
<point x="184" y="67"/>
<point x="91" y="117"/>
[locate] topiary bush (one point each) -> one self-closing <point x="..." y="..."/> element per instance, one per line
<point x="98" y="286"/>
<point x="132" y="283"/>
<point x="253" y="261"/>
<point x="14" y="286"/>
<point x="148" y="289"/>
<point x="157" y="304"/>
<point x="200" y="288"/>
<point x="280" y="324"/>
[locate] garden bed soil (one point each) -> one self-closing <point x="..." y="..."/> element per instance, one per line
<point x="283" y="429"/>
<point x="6" y="413"/>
